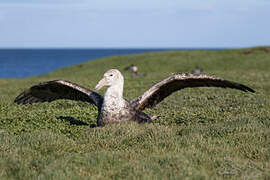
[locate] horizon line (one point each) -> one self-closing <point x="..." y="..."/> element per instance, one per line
<point x="127" y="48"/>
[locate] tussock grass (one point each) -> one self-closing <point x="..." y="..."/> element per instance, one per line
<point x="203" y="133"/>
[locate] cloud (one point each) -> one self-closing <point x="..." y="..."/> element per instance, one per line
<point x="99" y="23"/>
<point x="40" y="1"/>
<point x="113" y="5"/>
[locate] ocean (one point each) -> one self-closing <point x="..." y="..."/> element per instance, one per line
<point x="20" y="63"/>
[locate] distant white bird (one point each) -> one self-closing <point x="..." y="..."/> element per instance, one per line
<point x="134" y="71"/>
<point x="113" y="107"/>
<point x="197" y="71"/>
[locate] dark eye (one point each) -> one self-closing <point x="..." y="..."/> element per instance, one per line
<point x="111" y="74"/>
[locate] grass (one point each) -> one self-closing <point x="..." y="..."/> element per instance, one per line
<point x="203" y="133"/>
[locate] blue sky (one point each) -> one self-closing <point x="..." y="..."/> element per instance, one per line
<point x="134" y="23"/>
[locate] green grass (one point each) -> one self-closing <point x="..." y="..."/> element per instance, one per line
<point x="203" y="133"/>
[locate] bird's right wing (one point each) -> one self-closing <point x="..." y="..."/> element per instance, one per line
<point x="58" y="89"/>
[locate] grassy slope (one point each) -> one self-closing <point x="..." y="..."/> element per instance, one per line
<point x="203" y="133"/>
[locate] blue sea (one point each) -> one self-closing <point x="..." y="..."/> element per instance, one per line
<point x="20" y="63"/>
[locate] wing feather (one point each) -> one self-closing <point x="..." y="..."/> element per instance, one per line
<point x="58" y="89"/>
<point x="176" y="82"/>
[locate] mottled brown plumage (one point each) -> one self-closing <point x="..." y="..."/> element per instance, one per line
<point x="113" y="107"/>
<point x="58" y="89"/>
<point x="176" y="82"/>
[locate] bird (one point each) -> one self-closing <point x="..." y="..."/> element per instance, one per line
<point x="113" y="108"/>
<point x="197" y="71"/>
<point x="134" y="71"/>
<point x="129" y="68"/>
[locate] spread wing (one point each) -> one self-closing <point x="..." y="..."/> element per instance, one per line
<point x="58" y="89"/>
<point x="176" y="82"/>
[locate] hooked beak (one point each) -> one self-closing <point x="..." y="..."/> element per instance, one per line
<point x="101" y="83"/>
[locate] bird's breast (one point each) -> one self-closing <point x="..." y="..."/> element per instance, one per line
<point x="115" y="111"/>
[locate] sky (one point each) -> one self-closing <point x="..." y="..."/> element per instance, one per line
<point x="134" y="23"/>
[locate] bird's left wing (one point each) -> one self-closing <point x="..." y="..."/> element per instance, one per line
<point x="176" y="82"/>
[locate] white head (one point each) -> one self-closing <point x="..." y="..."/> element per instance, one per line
<point x="113" y="77"/>
<point x="134" y="69"/>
